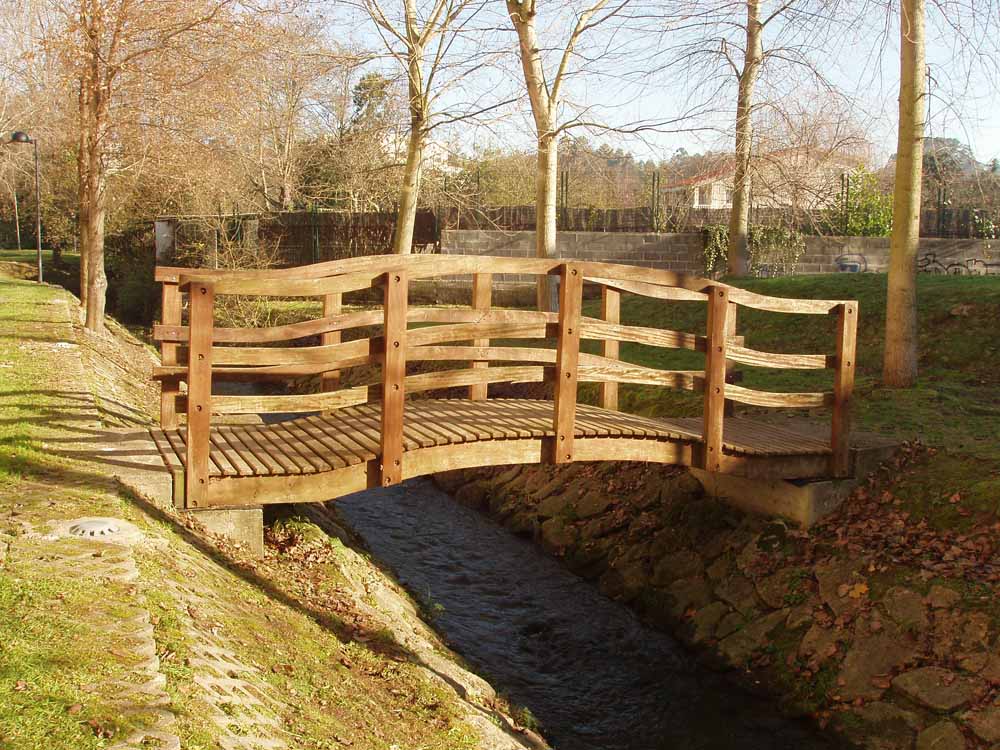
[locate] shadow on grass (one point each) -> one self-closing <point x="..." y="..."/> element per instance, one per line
<point x="90" y="448"/>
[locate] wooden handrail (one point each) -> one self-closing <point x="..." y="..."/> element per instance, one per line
<point x="199" y="398"/>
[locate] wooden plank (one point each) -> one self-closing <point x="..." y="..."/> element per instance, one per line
<point x="169" y="455"/>
<point x="610" y="313"/>
<point x="289" y="462"/>
<point x="352" y="449"/>
<point x="430" y="381"/>
<point x="199" y="403"/>
<point x="496" y="413"/>
<point x="250" y="463"/>
<point x="274" y="334"/>
<point x="489" y="317"/>
<point x="348" y="421"/>
<point x="781" y="304"/>
<point x="306" y="446"/>
<point x="567" y="359"/>
<point x="224" y="458"/>
<point x="489" y="453"/>
<point x="331" y="450"/>
<point x="261" y="453"/>
<point x="715" y="378"/>
<point x="170" y="387"/>
<point x="482" y="291"/>
<point x="349" y="353"/>
<point x="393" y="376"/>
<point x="625" y="449"/>
<point x="358" y="273"/>
<point x="620" y="372"/>
<point x="777" y="361"/>
<point x="290" y="447"/>
<point x="592" y="328"/>
<point x="465" y="331"/>
<point x="303" y="488"/>
<point x="434" y="353"/>
<point x="656" y="291"/>
<point x="285" y="404"/>
<point x="291" y="287"/>
<point x="785" y="400"/>
<point x="843" y="389"/>
<point x="332" y="305"/>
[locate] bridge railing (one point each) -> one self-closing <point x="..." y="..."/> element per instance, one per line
<point x="199" y="353"/>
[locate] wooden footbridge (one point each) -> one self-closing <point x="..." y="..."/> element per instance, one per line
<point x="347" y="439"/>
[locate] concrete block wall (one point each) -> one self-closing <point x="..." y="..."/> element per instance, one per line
<point x="675" y="252"/>
<point x="683" y="252"/>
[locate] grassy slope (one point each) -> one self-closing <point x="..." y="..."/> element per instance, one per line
<point x="955" y="407"/>
<point x="295" y="618"/>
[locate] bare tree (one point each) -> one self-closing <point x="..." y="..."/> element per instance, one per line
<point x="425" y="41"/>
<point x="545" y="92"/>
<point x="722" y="44"/>
<point x="899" y="367"/>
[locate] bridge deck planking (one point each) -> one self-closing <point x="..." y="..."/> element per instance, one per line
<point x="318" y="444"/>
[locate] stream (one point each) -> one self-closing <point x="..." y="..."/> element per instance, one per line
<point x="592" y="674"/>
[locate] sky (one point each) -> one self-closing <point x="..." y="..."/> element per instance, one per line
<point x="861" y="61"/>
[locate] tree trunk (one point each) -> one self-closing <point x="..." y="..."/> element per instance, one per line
<point x="545" y="215"/>
<point x="81" y="189"/>
<point x="409" y="194"/>
<point x="523" y="17"/>
<point x="899" y="367"/>
<point x="97" y="280"/>
<point x="17" y="220"/>
<point x="739" y="217"/>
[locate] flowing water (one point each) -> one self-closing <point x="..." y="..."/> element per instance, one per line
<point x="594" y="676"/>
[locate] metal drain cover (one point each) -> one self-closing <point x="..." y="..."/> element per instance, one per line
<point x="95" y="527"/>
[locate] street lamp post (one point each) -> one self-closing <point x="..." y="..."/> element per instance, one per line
<point x="22" y="137"/>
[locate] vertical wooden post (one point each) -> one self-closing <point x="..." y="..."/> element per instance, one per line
<point x="393" y="376"/>
<point x="843" y="387"/>
<point x="610" y="311"/>
<point x="567" y="359"/>
<point x="715" y="378"/>
<point x="199" y="402"/>
<point x="331" y="306"/>
<point x="730" y="407"/>
<point x="170" y="315"/>
<point x="482" y="290"/>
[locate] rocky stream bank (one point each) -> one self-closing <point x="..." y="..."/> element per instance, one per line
<point x="882" y="629"/>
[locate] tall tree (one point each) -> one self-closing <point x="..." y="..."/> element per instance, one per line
<point x="425" y="41"/>
<point x="739" y="217"/>
<point x="123" y="57"/>
<point x="545" y="92"/>
<point x="899" y="367"/>
<point x="721" y="45"/>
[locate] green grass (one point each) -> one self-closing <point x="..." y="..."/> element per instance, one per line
<point x="65" y="274"/>
<point x="54" y="672"/>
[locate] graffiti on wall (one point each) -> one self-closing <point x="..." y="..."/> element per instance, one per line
<point x="929" y="263"/>
<point x="851" y="263"/>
